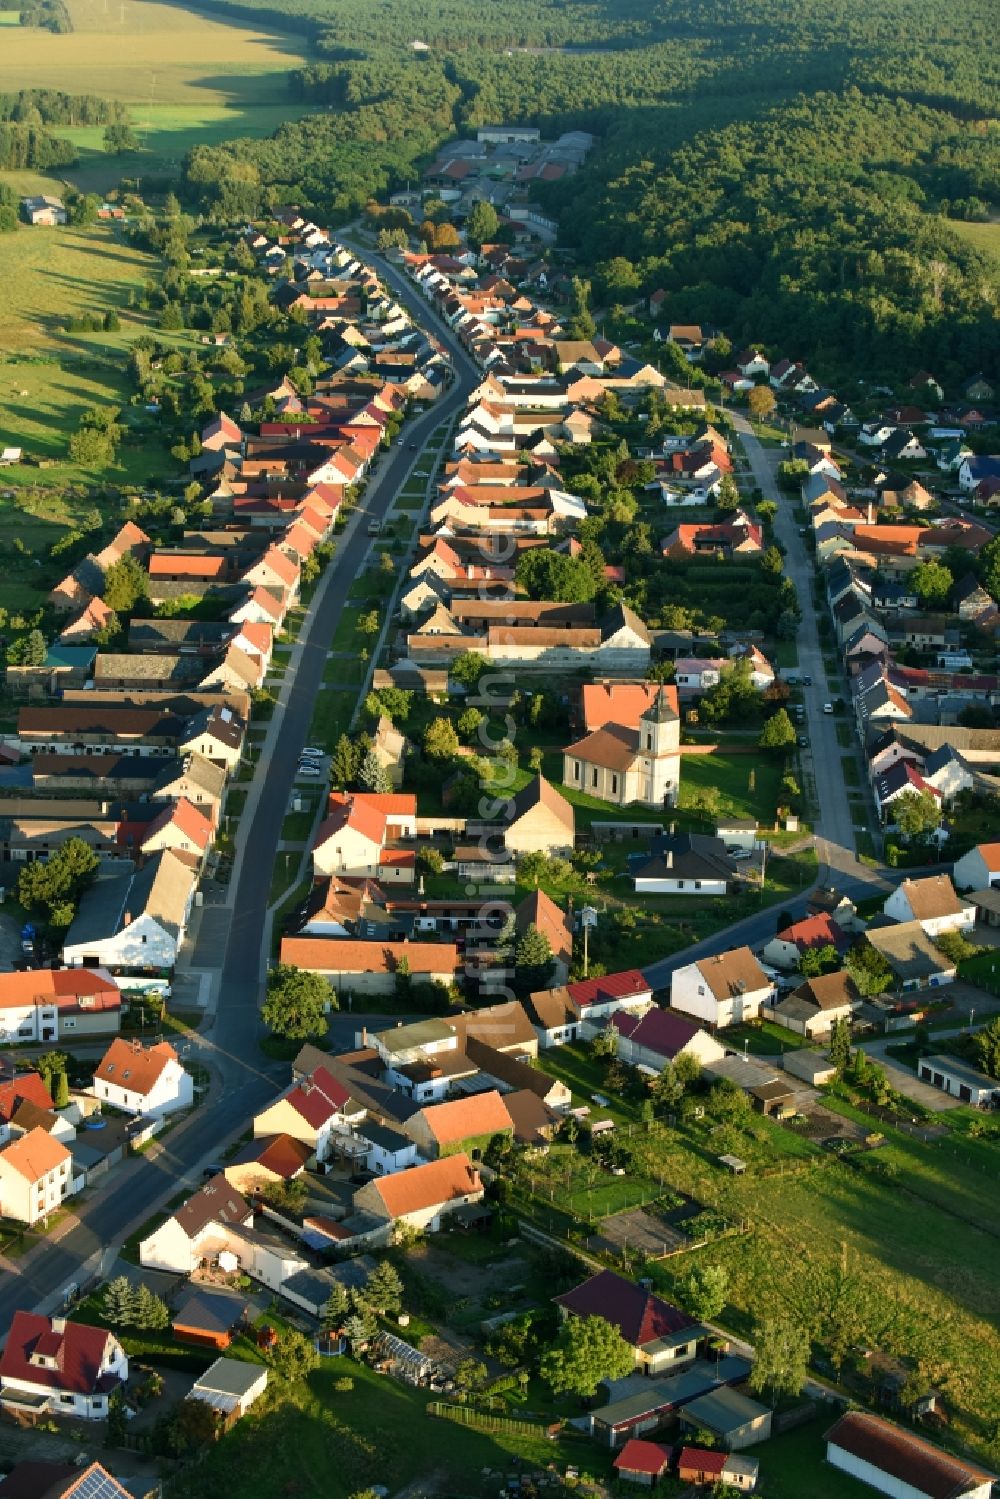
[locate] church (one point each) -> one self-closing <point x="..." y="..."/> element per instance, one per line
<point x="631" y="753"/>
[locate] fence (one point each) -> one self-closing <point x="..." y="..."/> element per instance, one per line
<point x="464" y="1415"/>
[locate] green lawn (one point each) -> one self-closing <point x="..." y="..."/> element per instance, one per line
<point x="317" y="1442"/>
<point x="331" y="717"/>
<point x="794" y="1465"/>
<point x="983" y="969"/>
<point x="731" y="784"/>
<point x="983" y="236"/>
<point x="296" y="826"/>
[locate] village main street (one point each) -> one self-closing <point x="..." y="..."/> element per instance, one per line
<point x="231" y="942"/>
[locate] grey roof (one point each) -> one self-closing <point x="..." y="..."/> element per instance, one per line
<point x="230" y="1376"/>
<point x="212" y="1311"/>
<point x="383" y="1136"/>
<point x="100" y="911"/>
<point x="684" y="856"/>
<point x="724" y="1410"/>
<point x="961" y="1072"/>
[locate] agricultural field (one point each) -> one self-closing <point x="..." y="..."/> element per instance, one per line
<point x="189" y="79"/>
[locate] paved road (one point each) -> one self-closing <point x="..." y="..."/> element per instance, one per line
<point x="243" y="1078"/>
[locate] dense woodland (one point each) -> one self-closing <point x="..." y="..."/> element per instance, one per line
<point x="789" y="173"/>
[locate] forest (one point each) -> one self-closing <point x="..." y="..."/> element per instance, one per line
<point x="790" y="174"/>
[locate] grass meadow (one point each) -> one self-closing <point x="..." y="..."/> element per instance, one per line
<point x="985" y="237"/>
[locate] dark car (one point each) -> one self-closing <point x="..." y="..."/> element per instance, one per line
<point x="803" y="740"/>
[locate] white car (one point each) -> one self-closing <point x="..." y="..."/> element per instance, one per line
<point x="309" y="770"/>
<point x="827" y="707"/>
<point x="311" y="753"/>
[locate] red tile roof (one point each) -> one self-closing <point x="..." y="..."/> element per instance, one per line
<point x="644" y="1457"/>
<point x="665" y="1032"/>
<point x="697" y="1461"/>
<point x="903" y="1456"/>
<point x="278" y="1153"/>
<point x="27" y="1085"/>
<point x="61" y="987"/>
<point x="640" y="1316"/>
<point x="625" y="985"/>
<point x="79" y="1353"/>
<point x="462" y="1118"/>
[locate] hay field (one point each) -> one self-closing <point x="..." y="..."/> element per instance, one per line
<point x="145" y="53"/>
<point x="985" y="237"/>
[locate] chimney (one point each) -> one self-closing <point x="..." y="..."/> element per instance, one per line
<point x="670" y="858"/>
<point x="871" y="513"/>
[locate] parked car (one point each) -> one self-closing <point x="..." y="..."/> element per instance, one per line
<point x="803" y="740"/>
<point x="308" y="769"/>
<point x="374" y="527"/>
<point x="311" y="753"/>
<point x="827" y="707"/>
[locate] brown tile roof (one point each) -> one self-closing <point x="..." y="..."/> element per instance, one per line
<point x="541" y="911"/>
<point x="734" y="972"/>
<point x="540" y="792"/>
<point x="503" y="1025"/>
<point x="904" y="1456"/>
<point x="932" y="896"/>
<point x="552" y="1008"/>
<point x="34" y="1155"/>
<point x="423" y="1187"/>
<point x="828" y="992"/>
<point x="216" y="1202"/>
<point x="533" y="1120"/>
<point x="128" y="1064"/>
<point x="278" y="1153"/>
<point x="612" y="748"/>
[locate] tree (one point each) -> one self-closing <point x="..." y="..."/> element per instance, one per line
<point x="482" y="224"/>
<point x="916" y="813"/>
<point x="296" y="1003"/>
<point x="605" y="1044"/>
<point x="869" y="970"/>
<point x="149" y="1311"/>
<point x="384" y="1289"/>
<point x="117" y="1421"/>
<point x="125" y="583"/>
<point x="467" y="669"/>
<point x="373" y="775"/>
<point x="468" y="723"/>
<point x="544" y="574"/>
<point x="840" y="1044"/>
<point x="766" y="511"/>
<point x="771" y="562"/>
<point x="91" y="448"/>
<point x="119" y="1302"/>
<point x="335" y="1307"/>
<point x="781" y="1354"/>
<point x="778" y="733"/>
<point x="30" y="650"/>
<point x="345" y="762"/>
<point x="727" y="498"/>
<point x="931" y="582"/>
<point x="761" y="402"/>
<point x="369" y="622"/>
<point x="705" y="1291"/>
<point x="294" y="1355"/>
<point x="667" y="1088"/>
<point x="586" y="1350"/>
<point x="60" y="1090"/>
<point x="532" y="959"/>
<point x="987" y="1044"/>
<point x="440" y="740"/>
<point x="816" y="960"/>
<point x="470" y="1374"/>
<point x="191" y="1425"/>
<point x="49" y="886"/>
<point x="119" y="137"/>
<point x="360" y="1327"/>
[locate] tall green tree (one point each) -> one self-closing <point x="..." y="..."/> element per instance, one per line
<point x="781" y="1353"/>
<point x="586" y="1350"/>
<point x="296" y="1002"/>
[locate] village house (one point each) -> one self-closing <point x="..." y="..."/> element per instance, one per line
<point x="979" y="869"/>
<point x="143" y="1080"/>
<point x="196" y="1231"/>
<point x="424" y="1196"/>
<point x="581" y="1008"/>
<point x="933" y="902"/>
<point x="727" y="989"/>
<point x="459" y="1124"/>
<point x="133" y="922"/>
<point x="309" y="1112"/>
<point x="699" y="1465"/>
<point x="265" y="1160"/>
<point x="372" y="966"/>
<point x="785" y="950"/>
<point x="915" y="961"/>
<point x="683" y="864"/>
<point x="816" y="1006"/>
<point x="662" y="1337"/>
<point x="58" y="1004"/>
<point x="52" y="1366"/>
<point x="36" y="1176"/>
<point x="659" y="1036"/>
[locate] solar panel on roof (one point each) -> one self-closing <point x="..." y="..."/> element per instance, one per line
<point x="98" y="1484"/>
